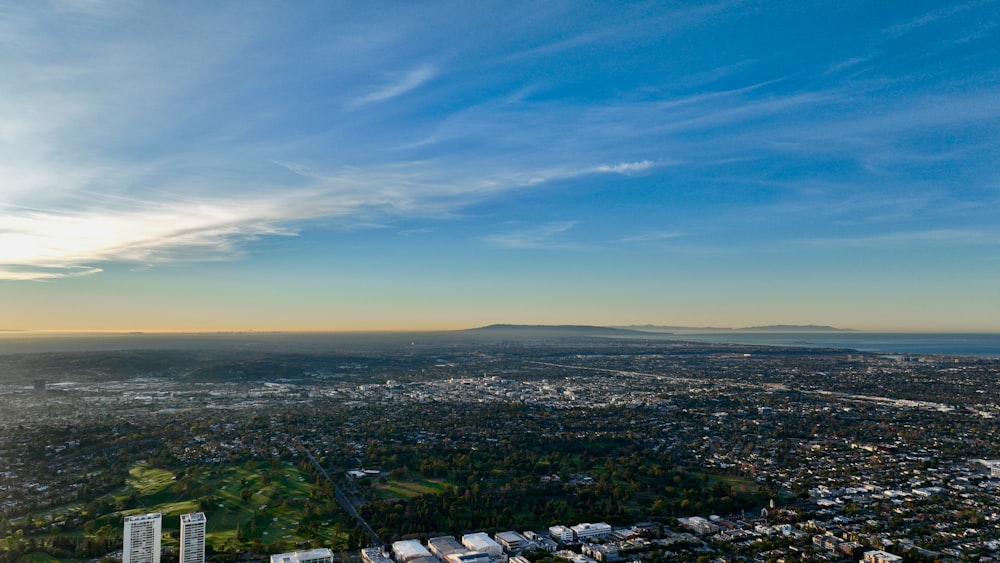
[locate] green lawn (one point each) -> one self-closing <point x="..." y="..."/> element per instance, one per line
<point x="276" y="505"/>
<point x="149" y="481"/>
<point x="409" y="488"/>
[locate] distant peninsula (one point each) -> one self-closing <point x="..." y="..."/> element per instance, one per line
<point x="763" y="328"/>
<point x="795" y="328"/>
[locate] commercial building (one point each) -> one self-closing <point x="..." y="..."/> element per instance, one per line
<point x="448" y="550"/>
<point x="408" y="550"/>
<point x="539" y="541"/>
<point x="375" y="555"/>
<point x="511" y="541"/>
<point x="444" y="546"/>
<point x="481" y="541"/>
<point x="600" y="552"/>
<point x="699" y="525"/>
<point x="311" y="556"/>
<point x="192" y="538"/>
<point x="879" y="556"/>
<point x="561" y="534"/>
<point x="467" y="557"/>
<point x="142" y="538"/>
<point x="588" y="531"/>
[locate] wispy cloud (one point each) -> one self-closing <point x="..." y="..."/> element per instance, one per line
<point x="46" y="244"/>
<point x="41" y="273"/>
<point x="403" y="84"/>
<point x="654" y="236"/>
<point x="930" y="17"/>
<point x="906" y="239"/>
<point x="626" y="167"/>
<point x="68" y="234"/>
<point x="535" y="237"/>
<point x="849" y="64"/>
<point x="413" y="232"/>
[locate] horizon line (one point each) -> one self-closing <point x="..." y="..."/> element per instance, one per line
<point x="635" y="327"/>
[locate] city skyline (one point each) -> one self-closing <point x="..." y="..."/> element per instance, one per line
<point x="321" y="166"/>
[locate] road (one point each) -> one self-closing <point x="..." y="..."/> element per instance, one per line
<point x="345" y="503"/>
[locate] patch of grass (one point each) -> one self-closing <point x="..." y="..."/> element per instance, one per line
<point x="168" y="509"/>
<point x="409" y="488"/>
<point x="148" y="480"/>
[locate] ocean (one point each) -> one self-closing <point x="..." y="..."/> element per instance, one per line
<point x="957" y="344"/>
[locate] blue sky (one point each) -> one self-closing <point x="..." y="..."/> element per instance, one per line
<point x="364" y="166"/>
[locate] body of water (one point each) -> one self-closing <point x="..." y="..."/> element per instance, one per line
<point x="960" y="344"/>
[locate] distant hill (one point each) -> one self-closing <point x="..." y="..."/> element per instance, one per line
<point x="765" y="328"/>
<point x="557" y="331"/>
<point x="795" y="328"/>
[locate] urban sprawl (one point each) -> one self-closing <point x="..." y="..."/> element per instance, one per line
<point x="591" y="449"/>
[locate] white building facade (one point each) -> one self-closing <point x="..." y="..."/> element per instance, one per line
<point x="879" y="556"/>
<point x="142" y="538"/>
<point x="586" y="530"/>
<point x="481" y="541"/>
<point x="408" y="550"/>
<point x="561" y="534"/>
<point x="193" y="538"/>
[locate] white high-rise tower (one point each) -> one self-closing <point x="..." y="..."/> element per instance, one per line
<point x="142" y="539"/>
<point x="193" y="538"/>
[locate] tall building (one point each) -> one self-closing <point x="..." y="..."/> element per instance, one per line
<point x="193" y="538"/>
<point x="142" y="539"/>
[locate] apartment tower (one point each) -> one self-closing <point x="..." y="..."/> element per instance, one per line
<point x="193" y="538"/>
<point x="142" y="539"/>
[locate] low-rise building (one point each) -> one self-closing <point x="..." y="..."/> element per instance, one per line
<point x="587" y="531"/>
<point x="375" y="555"/>
<point x="542" y="542"/>
<point x="407" y="550"/>
<point x="561" y="534"/>
<point x="879" y="556"/>
<point x="603" y="553"/>
<point x="466" y="556"/>
<point x="480" y="541"/>
<point x="511" y="541"/>
<point x="311" y="556"/>
<point x="699" y="525"/>
<point x="444" y="546"/>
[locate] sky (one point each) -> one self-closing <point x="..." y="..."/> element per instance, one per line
<point x="276" y="165"/>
